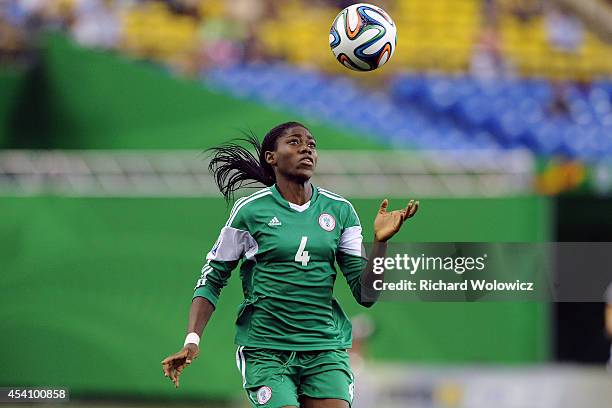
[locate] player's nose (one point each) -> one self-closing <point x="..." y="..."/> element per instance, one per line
<point x="305" y="149"/>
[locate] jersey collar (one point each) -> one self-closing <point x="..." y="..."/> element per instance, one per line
<point x="295" y="207"/>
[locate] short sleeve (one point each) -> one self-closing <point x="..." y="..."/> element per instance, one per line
<point x="350" y="254"/>
<point x="232" y="245"/>
<point x="351" y="239"/>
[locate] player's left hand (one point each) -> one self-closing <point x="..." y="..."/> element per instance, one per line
<point x="174" y="364"/>
<point x="387" y="223"/>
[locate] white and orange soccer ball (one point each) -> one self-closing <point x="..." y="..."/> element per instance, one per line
<point x="363" y="37"/>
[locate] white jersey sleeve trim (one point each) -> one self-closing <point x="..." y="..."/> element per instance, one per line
<point x="351" y="241"/>
<point x="232" y="245"/>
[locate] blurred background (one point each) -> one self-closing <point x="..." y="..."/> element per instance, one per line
<point x="496" y="114"/>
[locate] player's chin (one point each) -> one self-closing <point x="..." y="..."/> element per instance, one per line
<point x="303" y="174"/>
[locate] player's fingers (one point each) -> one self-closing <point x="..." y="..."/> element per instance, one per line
<point x="402" y="215"/>
<point x="408" y="209"/>
<point x="170" y="359"/>
<point x="169" y="369"/>
<point x="404" y="212"/>
<point x="383" y="206"/>
<point x="171" y="374"/>
<point x="409" y="206"/>
<point x="166" y="370"/>
<point x="414" y="209"/>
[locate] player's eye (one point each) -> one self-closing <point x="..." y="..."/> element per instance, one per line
<point x="313" y="145"/>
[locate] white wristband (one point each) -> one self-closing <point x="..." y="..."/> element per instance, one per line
<point x="192" y="338"/>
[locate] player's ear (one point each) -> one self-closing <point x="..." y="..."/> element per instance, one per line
<point x="270" y="158"/>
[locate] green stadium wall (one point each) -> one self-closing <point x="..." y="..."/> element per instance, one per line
<point x="77" y="98"/>
<point x="95" y="292"/>
<point x="12" y="82"/>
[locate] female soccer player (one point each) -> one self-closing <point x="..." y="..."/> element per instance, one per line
<point x="292" y="335"/>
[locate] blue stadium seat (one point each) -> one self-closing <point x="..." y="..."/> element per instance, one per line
<point x="438" y="112"/>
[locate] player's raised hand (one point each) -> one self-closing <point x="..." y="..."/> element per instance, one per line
<point x="174" y="364"/>
<point x="387" y="223"/>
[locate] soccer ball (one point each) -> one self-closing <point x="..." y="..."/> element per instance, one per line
<point x="363" y="37"/>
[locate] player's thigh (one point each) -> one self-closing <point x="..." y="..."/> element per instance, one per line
<point x="307" y="402"/>
<point x="268" y="384"/>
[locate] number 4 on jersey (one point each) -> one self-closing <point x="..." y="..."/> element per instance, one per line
<point x="301" y="255"/>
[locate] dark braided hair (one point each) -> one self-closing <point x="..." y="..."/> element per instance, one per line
<point x="233" y="166"/>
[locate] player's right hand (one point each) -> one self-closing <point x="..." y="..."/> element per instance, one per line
<point x="174" y="364"/>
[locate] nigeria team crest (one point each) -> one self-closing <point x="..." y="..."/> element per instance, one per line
<point x="327" y="222"/>
<point x="264" y="394"/>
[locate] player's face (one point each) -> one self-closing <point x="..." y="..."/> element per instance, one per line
<point x="295" y="155"/>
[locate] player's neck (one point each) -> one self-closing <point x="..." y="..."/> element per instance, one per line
<point x="296" y="193"/>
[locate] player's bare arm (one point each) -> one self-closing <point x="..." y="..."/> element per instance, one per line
<point x="199" y="315"/>
<point x="386" y="225"/>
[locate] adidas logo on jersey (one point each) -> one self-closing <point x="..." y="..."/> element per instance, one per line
<point x="274" y="222"/>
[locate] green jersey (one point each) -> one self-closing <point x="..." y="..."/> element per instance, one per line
<point x="287" y="255"/>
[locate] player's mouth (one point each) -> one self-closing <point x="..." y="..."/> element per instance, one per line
<point x="307" y="161"/>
